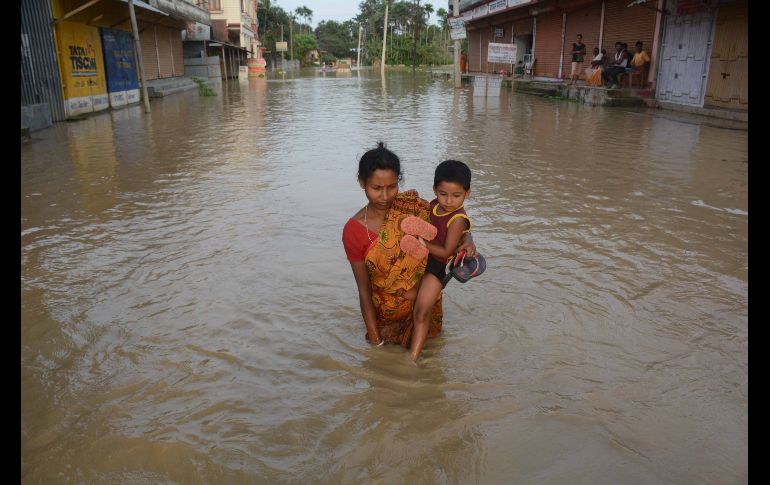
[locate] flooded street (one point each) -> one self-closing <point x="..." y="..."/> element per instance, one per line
<point x="188" y="314"/>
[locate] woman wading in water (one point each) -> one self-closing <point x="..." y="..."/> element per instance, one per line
<point x="387" y="277"/>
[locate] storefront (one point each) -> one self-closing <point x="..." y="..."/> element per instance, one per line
<point x="547" y="28"/>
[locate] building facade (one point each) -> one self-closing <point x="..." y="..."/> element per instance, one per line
<point x="698" y="48"/>
<point x="704" y="54"/>
<point x="547" y="28"/>
<point x="239" y="18"/>
<point x="85" y="51"/>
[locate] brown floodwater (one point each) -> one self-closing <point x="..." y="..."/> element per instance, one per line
<point x="188" y="314"/>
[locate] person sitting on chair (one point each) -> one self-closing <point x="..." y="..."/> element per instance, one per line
<point x="593" y="73"/>
<point x="640" y="58"/>
<point x="617" y="66"/>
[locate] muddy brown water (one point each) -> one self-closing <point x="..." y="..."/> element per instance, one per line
<point x="188" y="314"/>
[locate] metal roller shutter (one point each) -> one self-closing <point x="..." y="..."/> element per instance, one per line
<point x="627" y="24"/>
<point x="177" y="52"/>
<point x="149" y="52"/>
<point x="548" y="44"/>
<point x="585" y="21"/>
<point x="486" y="38"/>
<point x="163" y="36"/>
<point x="474" y="50"/>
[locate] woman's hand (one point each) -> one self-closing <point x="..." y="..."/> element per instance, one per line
<point x="467" y="244"/>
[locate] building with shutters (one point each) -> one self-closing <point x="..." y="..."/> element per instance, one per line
<point x="704" y="54"/>
<point x="547" y="28"/>
<point x="79" y="55"/>
<point x="698" y="48"/>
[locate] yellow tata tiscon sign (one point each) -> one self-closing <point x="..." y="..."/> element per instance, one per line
<point x="82" y="67"/>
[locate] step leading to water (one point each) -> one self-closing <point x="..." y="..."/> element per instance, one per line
<point x="159" y="88"/>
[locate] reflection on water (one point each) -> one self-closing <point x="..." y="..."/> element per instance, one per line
<point x="188" y="314"/>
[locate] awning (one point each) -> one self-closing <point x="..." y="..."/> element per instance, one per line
<point x="146" y="6"/>
<point x="85" y="9"/>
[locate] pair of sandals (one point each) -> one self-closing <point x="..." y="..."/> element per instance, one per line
<point x="461" y="268"/>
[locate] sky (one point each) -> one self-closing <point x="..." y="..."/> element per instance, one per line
<point x="338" y="10"/>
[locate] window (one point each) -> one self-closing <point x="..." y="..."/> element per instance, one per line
<point x="215" y="4"/>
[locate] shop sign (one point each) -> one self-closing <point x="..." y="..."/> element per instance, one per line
<point x="501" y="53"/>
<point x="197" y="31"/>
<point x="498" y="5"/>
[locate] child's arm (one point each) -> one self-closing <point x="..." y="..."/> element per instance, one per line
<point x="453" y="236"/>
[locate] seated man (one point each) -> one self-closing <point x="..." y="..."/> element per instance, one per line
<point x="617" y="66"/>
<point x="640" y="58"/>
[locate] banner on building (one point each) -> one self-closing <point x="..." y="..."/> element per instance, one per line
<point x="458" y="28"/>
<point x="498" y="5"/>
<point x="501" y="53"/>
<point x="120" y="68"/>
<point x="82" y="68"/>
<point x="197" y="31"/>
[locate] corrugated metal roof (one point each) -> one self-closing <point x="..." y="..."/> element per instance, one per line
<point x="146" y="6"/>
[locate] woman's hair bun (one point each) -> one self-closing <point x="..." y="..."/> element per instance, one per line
<point x="380" y="145"/>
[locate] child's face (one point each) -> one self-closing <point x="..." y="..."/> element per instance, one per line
<point x="450" y="195"/>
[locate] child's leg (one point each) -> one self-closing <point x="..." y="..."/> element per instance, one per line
<point x="430" y="289"/>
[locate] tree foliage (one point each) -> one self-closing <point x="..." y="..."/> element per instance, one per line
<point x="337" y="38"/>
<point x="412" y="40"/>
<point x="303" y="43"/>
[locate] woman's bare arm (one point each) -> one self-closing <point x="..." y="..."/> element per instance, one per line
<point x="361" y="274"/>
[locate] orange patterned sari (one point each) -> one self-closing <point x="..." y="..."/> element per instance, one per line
<point x="392" y="272"/>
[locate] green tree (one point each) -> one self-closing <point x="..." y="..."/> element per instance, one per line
<point x="271" y="18"/>
<point x="304" y="13"/>
<point x="303" y="43"/>
<point x="337" y="38"/>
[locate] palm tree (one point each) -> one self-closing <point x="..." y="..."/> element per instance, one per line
<point x="305" y="13"/>
<point x="428" y="8"/>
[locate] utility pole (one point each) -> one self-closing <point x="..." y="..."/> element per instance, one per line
<point x="458" y="80"/>
<point x="138" y="50"/>
<point x="358" y="51"/>
<point x="291" y="39"/>
<point x="385" y="39"/>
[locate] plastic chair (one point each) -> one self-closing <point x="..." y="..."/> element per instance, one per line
<point x="529" y="64"/>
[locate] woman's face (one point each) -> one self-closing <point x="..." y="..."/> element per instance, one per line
<point x="381" y="188"/>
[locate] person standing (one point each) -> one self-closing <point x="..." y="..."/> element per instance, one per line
<point x="578" y="55"/>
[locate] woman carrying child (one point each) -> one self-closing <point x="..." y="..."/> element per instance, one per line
<point x="387" y="278"/>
